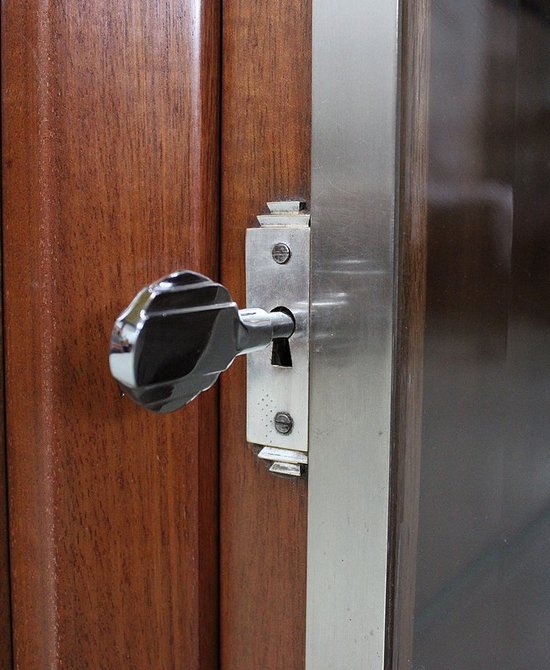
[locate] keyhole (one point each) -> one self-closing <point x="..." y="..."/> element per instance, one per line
<point x="280" y="352"/>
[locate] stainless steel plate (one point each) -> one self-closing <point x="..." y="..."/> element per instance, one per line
<point x="272" y="389"/>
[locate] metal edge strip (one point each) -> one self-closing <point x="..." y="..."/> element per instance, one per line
<point x="354" y="209"/>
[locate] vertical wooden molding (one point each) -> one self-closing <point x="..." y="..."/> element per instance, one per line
<point x="266" y="131"/>
<point x="5" y="604"/>
<point x="411" y="281"/>
<point x="110" y="180"/>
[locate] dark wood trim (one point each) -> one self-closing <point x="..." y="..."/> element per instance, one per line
<point x="5" y="597"/>
<point x="5" y="604"/>
<point x="411" y="281"/>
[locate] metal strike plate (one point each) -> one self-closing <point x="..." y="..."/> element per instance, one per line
<point x="278" y="275"/>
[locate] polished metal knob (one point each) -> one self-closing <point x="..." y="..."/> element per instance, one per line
<point x="180" y="333"/>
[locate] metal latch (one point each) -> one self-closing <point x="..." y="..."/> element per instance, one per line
<point x="182" y="331"/>
<point x="278" y="278"/>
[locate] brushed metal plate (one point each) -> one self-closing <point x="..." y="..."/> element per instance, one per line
<point x="273" y="389"/>
<point x="354" y="190"/>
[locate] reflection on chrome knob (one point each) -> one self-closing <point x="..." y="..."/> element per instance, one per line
<point x="179" y="334"/>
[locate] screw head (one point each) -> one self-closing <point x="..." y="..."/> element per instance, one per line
<point x="284" y="423"/>
<point x="281" y="253"/>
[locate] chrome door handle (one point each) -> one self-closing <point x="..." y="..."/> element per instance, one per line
<point x="179" y="333"/>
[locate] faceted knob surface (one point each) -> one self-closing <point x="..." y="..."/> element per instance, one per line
<point x="179" y="334"/>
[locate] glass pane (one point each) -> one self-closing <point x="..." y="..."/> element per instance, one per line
<point x="483" y="570"/>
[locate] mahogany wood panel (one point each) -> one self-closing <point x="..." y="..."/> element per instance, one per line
<point x="482" y="579"/>
<point x="110" y="159"/>
<point x="265" y="156"/>
<point x="411" y="278"/>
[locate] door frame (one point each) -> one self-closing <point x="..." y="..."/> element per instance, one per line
<point x="369" y="159"/>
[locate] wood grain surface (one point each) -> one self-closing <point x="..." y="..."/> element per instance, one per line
<point x="5" y="605"/>
<point x="110" y="176"/>
<point x="411" y="296"/>
<point x="265" y="156"/>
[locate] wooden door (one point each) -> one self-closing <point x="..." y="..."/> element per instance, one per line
<point x="110" y="180"/>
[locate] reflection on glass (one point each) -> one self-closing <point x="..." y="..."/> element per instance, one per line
<point x="483" y="566"/>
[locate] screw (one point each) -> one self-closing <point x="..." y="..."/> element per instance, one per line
<point x="281" y="253"/>
<point x="283" y="423"/>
